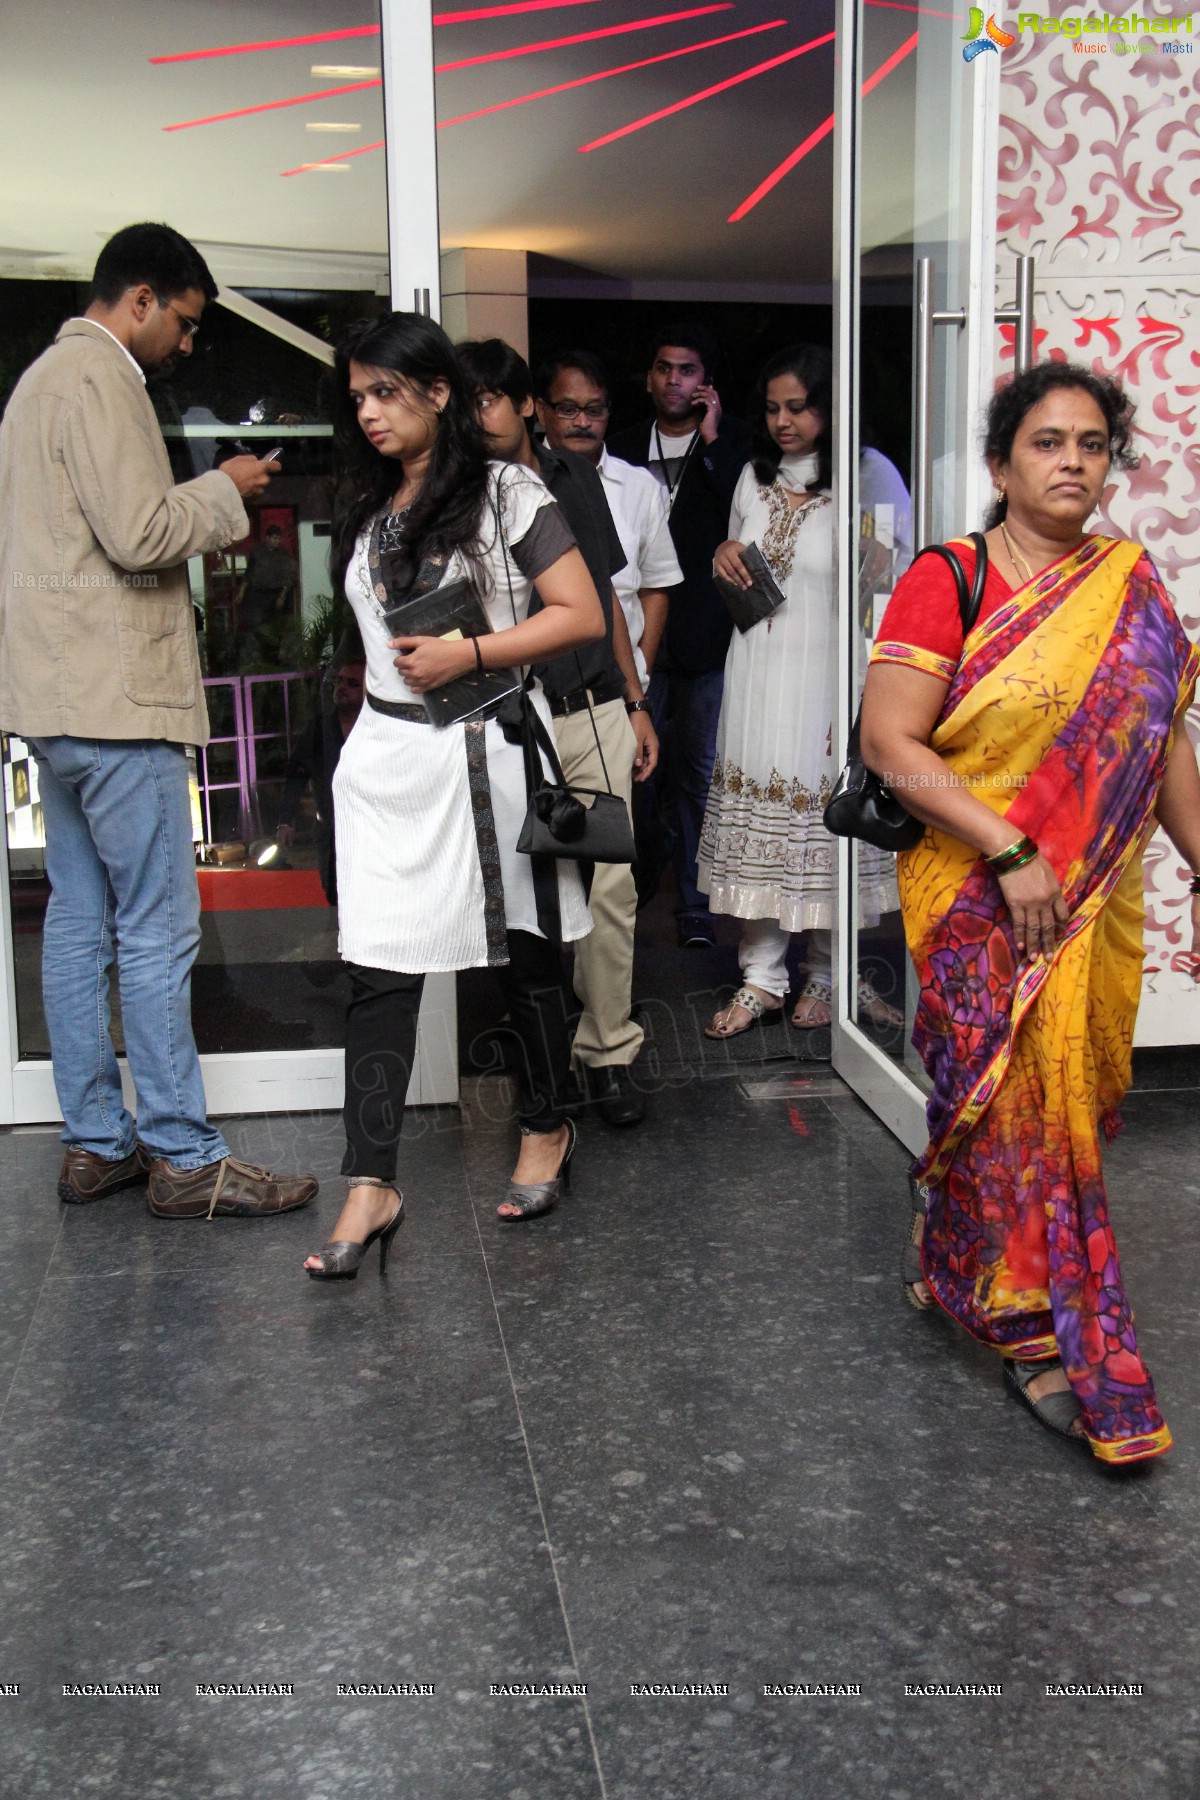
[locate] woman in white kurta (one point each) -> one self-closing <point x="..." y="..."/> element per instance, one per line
<point x="765" y="855"/>
<point x="427" y="817"/>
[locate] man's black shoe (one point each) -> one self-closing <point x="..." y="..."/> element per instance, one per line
<point x="696" y="932"/>
<point x="610" y="1089"/>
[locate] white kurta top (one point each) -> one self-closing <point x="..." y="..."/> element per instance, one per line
<point x="764" y="851"/>
<point x="411" y="886"/>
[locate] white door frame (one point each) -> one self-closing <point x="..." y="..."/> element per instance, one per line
<point x="306" y="1080"/>
<point x="878" y="1080"/>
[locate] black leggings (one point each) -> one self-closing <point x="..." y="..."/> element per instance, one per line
<point x="381" y="1035"/>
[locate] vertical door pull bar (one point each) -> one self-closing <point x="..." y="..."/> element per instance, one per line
<point x="925" y="318"/>
<point x="1020" y="314"/>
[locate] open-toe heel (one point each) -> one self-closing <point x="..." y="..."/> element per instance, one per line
<point x="342" y="1259"/>
<point x="531" y="1199"/>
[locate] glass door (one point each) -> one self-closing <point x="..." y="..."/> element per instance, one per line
<point x="914" y="234"/>
<point x="268" y="152"/>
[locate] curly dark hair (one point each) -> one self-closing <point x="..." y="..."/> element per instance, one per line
<point x="812" y="365"/>
<point x="1011" y="403"/>
<point x="446" y="514"/>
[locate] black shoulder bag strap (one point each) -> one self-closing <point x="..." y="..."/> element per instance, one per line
<point x="544" y="869"/>
<point x="969" y="602"/>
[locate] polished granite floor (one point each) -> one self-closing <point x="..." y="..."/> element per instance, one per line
<point x="685" y="1431"/>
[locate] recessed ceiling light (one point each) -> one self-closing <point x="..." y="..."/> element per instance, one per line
<point x="350" y="71"/>
<point x="331" y="125"/>
<point x="324" y="168"/>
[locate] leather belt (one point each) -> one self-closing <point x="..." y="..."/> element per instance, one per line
<point x="577" y="700"/>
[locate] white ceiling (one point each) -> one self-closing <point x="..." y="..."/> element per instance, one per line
<point x="82" y="111"/>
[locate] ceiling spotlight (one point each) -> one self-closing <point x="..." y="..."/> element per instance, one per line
<point x="331" y="125"/>
<point x="344" y="71"/>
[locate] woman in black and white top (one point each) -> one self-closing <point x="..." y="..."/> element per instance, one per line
<point x="427" y="817"/>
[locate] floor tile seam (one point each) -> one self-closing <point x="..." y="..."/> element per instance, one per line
<point x="33" y="1318"/>
<point x="537" y="1490"/>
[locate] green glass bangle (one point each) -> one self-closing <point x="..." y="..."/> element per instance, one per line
<point x="1015" y="856"/>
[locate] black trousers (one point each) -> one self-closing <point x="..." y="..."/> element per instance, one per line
<point x="381" y="1035"/>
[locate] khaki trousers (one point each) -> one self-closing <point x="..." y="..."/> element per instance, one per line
<point x="604" y="959"/>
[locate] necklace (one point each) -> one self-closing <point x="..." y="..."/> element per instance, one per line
<point x="1018" y="562"/>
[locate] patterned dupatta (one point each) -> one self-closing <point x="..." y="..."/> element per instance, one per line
<point x="1060" y="717"/>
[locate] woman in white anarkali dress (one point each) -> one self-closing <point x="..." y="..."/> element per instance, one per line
<point x="765" y="855"/>
<point x="426" y="816"/>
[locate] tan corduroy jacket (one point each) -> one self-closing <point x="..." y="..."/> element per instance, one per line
<point x="97" y="638"/>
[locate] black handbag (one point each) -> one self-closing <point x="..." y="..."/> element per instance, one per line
<point x="861" y="806"/>
<point x="558" y="822"/>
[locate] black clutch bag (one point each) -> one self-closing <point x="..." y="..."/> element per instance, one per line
<point x="453" y="610"/>
<point x="748" y="606"/>
<point x="861" y="806"/>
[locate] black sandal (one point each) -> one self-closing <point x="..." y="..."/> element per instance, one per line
<point x="1057" y="1412"/>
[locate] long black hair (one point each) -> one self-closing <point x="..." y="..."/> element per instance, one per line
<point x="446" y="514"/>
<point x="1010" y="404"/>
<point x="812" y="365"/>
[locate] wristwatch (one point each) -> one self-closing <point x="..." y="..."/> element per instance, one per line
<point x="632" y="706"/>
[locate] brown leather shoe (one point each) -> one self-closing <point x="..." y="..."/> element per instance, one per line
<point x="228" y="1189"/>
<point x="85" y="1177"/>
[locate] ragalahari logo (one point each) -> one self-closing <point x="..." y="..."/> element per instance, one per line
<point x="983" y="37"/>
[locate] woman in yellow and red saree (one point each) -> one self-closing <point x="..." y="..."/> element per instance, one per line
<point x="1062" y="716"/>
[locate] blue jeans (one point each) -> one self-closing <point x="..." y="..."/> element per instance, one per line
<point x="686" y="710"/>
<point x="121" y="863"/>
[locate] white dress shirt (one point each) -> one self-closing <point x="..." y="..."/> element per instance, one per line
<point x="638" y="504"/>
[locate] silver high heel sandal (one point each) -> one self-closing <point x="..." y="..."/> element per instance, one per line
<point x="342" y="1259"/>
<point x="531" y="1199"/>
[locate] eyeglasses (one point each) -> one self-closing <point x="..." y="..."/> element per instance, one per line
<point x="567" y="409"/>
<point x="190" y="326"/>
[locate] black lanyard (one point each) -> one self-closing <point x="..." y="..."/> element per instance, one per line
<point x="683" y="461"/>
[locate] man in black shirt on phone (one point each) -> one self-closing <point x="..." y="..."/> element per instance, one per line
<point x="698" y="454"/>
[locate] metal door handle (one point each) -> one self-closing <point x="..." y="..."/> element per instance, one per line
<point x="925" y="318"/>
<point x="1020" y="314"/>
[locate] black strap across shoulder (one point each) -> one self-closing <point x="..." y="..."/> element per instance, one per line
<point x="968" y="602"/>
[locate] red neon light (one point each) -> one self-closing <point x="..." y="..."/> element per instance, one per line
<point x="582" y="37"/>
<point x="901" y="6"/>
<point x="361" y="31"/>
<point x="360" y="150"/>
<point x="503" y="12"/>
<point x="241" y="112"/>
<point x="707" y="93"/>
<point x="317" y="37"/>
<point x="814" y="137"/>
<point x="603" y="74"/>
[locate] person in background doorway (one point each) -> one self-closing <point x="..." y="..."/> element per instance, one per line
<point x="268" y="589"/>
<point x="576" y="379"/>
<point x="99" y="672"/>
<point x="765" y="855"/>
<point x="602" y="724"/>
<point x="315" y="756"/>
<point x="696" y="454"/>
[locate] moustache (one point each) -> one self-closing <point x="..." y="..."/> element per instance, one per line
<point x="577" y="432"/>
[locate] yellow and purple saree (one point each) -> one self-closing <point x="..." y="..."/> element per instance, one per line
<point x="1060" y="716"/>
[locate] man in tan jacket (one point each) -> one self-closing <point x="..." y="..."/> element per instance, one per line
<point x="99" y="671"/>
